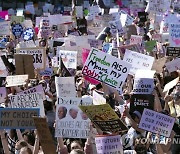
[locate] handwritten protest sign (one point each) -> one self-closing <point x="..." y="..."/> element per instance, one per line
<point x="109" y="144"/>
<point x="65" y="86"/>
<point x="14" y="118"/>
<point x="16" y="80"/>
<point x="135" y="39"/>
<point x="45" y="136"/>
<point x="98" y="99"/>
<point x="47" y="72"/>
<point x="104" y="117"/>
<point x="107" y="47"/>
<point x="173" y="51"/>
<point x="70" y="120"/>
<point x="39" y="56"/>
<point x="140" y="101"/>
<point x="116" y="27"/>
<point x="171" y="84"/>
<point x="95" y="43"/>
<point x="174" y="35"/>
<point x="173" y="65"/>
<point x="105" y="68"/>
<point x="143" y="86"/>
<point x="2" y="94"/>
<point x="138" y="61"/>
<point x="33" y="100"/>
<point x="4" y="28"/>
<point x="156" y="122"/>
<point x="69" y="58"/>
<point x="35" y="89"/>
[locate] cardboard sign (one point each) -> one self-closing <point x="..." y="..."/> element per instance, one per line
<point x="39" y="56"/>
<point x="24" y="65"/>
<point x="157" y="123"/>
<point x="45" y="136"/>
<point x="14" y="118"/>
<point x="105" y="68"/>
<point x="143" y="86"/>
<point x="173" y="65"/>
<point x="109" y="144"/>
<point x="3" y="94"/>
<point x="139" y="102"/>
<point x="98" y="99"/>
<point x="33" y="100"/>
<point x="104" y="117"/>
<point x="173" y="51"/>
<point x="69" y="58"/>
<point x="36" y="89"/>
<point x="4" y="28"/>
<point x="17" y="30"/>
<point x="16" y="80"/>
<point x="159" y="64"/>
<point x="65" y="86"/>
<point x="135" y="39"/>
<point x="138" y="61"/>
<point x="174" y="35"/>
<point x="171" y="84"/>
<point x="71" y="122"/>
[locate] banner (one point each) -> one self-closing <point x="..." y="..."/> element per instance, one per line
<point x="138" y="61"/>
<point x="33" y="100"/>
<point x="71" y="122"/>
<point x="140" y="101"/>
<point x="16" y="80"/>
<point x="3" y="94"/>
<point x="104" y="117"/>
<point x="143" y="86"/>
<point x="105" y="68"/>
<point x="4" y="28"/>
<point x="174" y="35"/>
<point x="173" y="65"/>
<point x="14" y="118"/>
<point x="173" y="51"/>
<point x="98" y="99"/>
<point x="157" y="123"/>
<point x="69" y="58"/>
<point x="109" y="144"/>
<point x="39" y="56"/>
<point x="65" y="86"/>
<point x="45" y="137"/>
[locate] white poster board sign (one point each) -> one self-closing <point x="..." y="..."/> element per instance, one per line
<point x="5" y="28"/>
<point x="16" y="80"/>
<point x="98" y="99"/>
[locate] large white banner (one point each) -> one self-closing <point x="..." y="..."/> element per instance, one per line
<point x="138" y="61"/>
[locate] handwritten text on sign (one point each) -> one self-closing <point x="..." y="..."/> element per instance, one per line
<point x="156" y="122"/>
<point x="106" y="68"/>
<point x="39" y="56"/>
<point x="174" y="35"/>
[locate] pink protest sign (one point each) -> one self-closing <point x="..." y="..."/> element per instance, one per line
<point x="109" y="144"/>
<point x="3" y="14"/>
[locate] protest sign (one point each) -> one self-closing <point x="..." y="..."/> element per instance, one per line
<point x="46" y="72"/>
<point x="32" y="100"/>
<point x="3" y="94"/>
<point x="14" y="118"/>
<point x="157" y="123"/>
<point x="26" y="44"/>
<point x="44" y="135"/>
<point x="171" y="84"/>
<point x="104" y="117"/>
<point x="98" y="99"/>
<point x="79" y="11"/>
<point x="116" y="27"/>
<point x="95" y="43"/>
<point x="106" y="68"/>
<point x="135" y="39"/>
<point x="126" y="19"/>
<point x="138" y="61"/>
<point x="45" y="29"/>
<point x="28" y="34"/>
<point x="69" y="58"/>
<point x="143" y="86"/>
<point x="39" y="56"/>
<point x="173" y="65"/>
<point x="109" y="144"/>
<point x="65" y="86"/>
<point x="159" y="64"/>
<point x="150" y="45"/>
<point x="140" y="101"/>
<point x="17" y="30"/>
<point x="16" y="80"/>
<point x="17" y="19"/>
<point x="174" y="35"/>
<point x="5" y="28"/>
<point x="146" y="74"/>
<point x="35" y="89"/>
<point x="24" y="65"/>
<point x="107" y="47"/>
<point x="173" y="51"/>
<point x="70" y="120"/>
<point x="3" y="14"/>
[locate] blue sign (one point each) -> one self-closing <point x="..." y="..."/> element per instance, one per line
<point x="28" y="34"/>
<point x="17" y="30"/>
